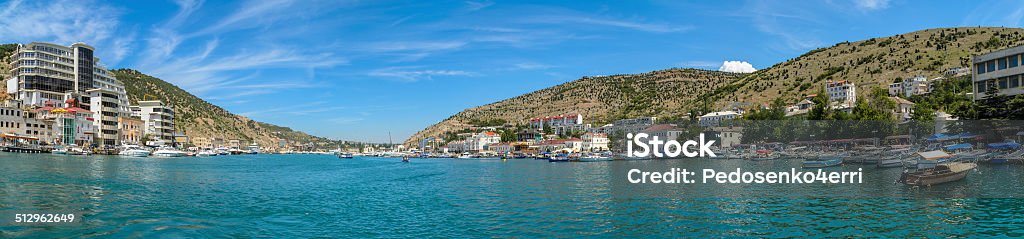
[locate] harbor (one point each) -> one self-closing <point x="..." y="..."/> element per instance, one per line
<point x="306" y="195"/>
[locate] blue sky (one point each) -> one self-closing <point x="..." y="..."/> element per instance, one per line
<point x="356" y="70"/>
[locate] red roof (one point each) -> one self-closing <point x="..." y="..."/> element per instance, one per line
<point x="489" y="133"/>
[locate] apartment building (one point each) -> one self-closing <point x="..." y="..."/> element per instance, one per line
<point x="46" y="72"/>
<point x="999" y="69"/>
<point x="158" y="119"/>
<point x="843" y="93"/>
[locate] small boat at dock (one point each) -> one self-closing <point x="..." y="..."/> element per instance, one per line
<point x="823" y="163"/>
<point x="941" y="173"/>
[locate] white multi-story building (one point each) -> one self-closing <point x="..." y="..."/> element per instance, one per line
<point x="843" y="93"/>
<point x="595" y="142"/>
<point x="106" y="107"/>
<point x="729" y="136"/>
<point x="1000" y="69"/>
<point x="663" y="131"/>
<point x="158" y="119"/>
<point x="477" y="142"/>
<point x="716" y="118"/>
<point x="918" y="85"/>
<point x="559" y="124"/>
<point x="46" y="72"/>
<point x="626" y="126"/>
<point x="12" y="118"/>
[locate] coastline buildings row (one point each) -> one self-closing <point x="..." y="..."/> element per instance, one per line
<point x="63" y="95"/>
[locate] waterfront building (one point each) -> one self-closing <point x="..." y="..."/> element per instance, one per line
<point x="501" y="148"/>
<point x="553" y="145"/>
<point x="663" y="131"/>
<point x="716" y="118"/>
<point x="106" y="108"/>
<point x="729" y="136"/>
<point x="1000" y="69"/>
<point x="529" y="135"/>
<point x="158" y="118"/>
<point x="561" y="124"/>
<point x="12" y="120"/>
<point x="478" y="141"/>
<point x="594" y="142"/>
<point x="41" y="130"/>
<point x="131" y="129"/>
<point x="45" y="72"/>
<point x="71" y="124"/>
<point x="626" y="126"/>
<point x="843" y="93"/>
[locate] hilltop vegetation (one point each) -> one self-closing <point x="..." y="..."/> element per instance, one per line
<point x="666" y="93"/>
<point x="199" y="118"/>
<point x="871" y="64"/>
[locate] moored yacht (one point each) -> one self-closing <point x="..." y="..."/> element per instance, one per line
<point x="168" y="152"/>
<point x="134" y="151"/>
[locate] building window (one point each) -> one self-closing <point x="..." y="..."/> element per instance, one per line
<point x="1002" y="83"/>
<point x="1014" y="81"/>
<point x="991" y="66"/>
<point x="1013" y="61"/>
<point x="980" y="86"/>
<point x="1002" y="63"/>
<point x="980" y="68"/>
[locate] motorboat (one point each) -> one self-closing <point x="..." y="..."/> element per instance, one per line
<point x="207" y="153"/>
<point x="823" y="163"/>
<point x="134" y="151"/>
<point x="941" y="173"/>
<point x="345" y="155"/>
<point x="559" y="158"/>
<point x="595" y="158"/>
<point x="168" y="152"/>
<point x="764" y="155"/>
<point x="930" y="159"/>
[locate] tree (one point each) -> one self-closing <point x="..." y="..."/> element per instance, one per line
<point x="923" y="111"/>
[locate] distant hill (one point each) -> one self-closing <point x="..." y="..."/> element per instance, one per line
<point x="665" y="93"/>
<point x="199" y="118"/>
<point x="867" y="63"/>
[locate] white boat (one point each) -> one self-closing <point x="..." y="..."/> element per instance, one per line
<point x="207" y="153"/>
<point x="61" y="151"/>
<point x="223" y="151"/>
<point x="134" y="151"/>
<point x="168" y="152"/>
<point x="345" y="155"/>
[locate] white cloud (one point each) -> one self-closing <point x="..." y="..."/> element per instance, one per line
<point x="65" y="22"/>
<point x="408" y="74"/>
<point x="737" y="67"/>
<point x="871" y="4"/>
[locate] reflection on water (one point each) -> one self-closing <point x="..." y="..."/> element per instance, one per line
<point x="318" y="195"/>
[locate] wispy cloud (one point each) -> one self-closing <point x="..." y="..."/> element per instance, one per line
<point x="790" y="25"/>
<point x="625" y="24"/>
<point x="530" y="66"/>
<point x="871" y="5"/>
<point x="62" y="22"/>
<point x="700" y="64"/>
<point x="414" y="74"/>
<point x="473" y="6"/>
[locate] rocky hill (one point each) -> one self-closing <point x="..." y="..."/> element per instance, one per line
<point x="199" y="118"/>
<point x="867" y="63"/>
<point x="665" y="93"/>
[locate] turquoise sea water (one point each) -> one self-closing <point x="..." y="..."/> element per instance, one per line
<point x="286" y="196"/>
